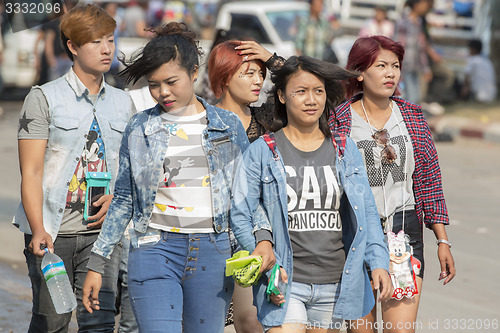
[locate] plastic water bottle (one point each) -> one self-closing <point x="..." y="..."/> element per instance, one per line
<point x="57" y="281"/>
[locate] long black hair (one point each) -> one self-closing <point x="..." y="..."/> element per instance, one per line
<point x="328" y="73"/>
<point x="173" y="41"/>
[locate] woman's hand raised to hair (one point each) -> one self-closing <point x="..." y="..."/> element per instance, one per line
<point x="251" y="50"/>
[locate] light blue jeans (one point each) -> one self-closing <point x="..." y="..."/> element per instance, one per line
<point x="179" y="285"/>
<point x="313" y="304"/>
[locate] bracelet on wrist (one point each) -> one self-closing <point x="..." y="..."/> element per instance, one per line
<point x="270" y="61"/>
<point x="444" y="241"/>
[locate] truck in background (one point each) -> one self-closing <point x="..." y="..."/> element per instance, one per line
<point x="274" y="23"/>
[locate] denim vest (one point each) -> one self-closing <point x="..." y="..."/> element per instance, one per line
<point x="262" y="179"/>
<point x="144" y="146"/>
<point x="71" y="114"/>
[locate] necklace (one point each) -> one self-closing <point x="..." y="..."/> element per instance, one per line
<point x="389" y="222"/>
<point x="366" y="115"/>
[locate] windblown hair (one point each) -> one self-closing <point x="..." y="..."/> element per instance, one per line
<point x="330" y="74"/>
<point x="173" y="41"/>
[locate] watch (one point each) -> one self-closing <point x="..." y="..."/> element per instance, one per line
<point x="443" y="241"/>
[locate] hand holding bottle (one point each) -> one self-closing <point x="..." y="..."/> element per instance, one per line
<point x="57" y="280"/>
<point x="39" y="241"/>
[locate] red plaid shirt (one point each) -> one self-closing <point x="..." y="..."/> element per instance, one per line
<point x="427" y="186"/>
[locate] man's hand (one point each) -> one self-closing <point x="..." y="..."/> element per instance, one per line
<point x="265" y="250"/>
<point x="98" y="218"/>
<point x="382" y="282"/>
<point x="91" y="287"/>
<point x="39" y="238"/>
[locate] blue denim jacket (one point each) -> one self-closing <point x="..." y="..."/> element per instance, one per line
<point x="143" y="150"/>
<point x="262" y="179"/>
<point x="71" y="114"/>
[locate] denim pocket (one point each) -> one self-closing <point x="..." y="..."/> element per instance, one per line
<point x="118" y="126"/>
<point x="270" y="191"/>
<point x="146" y="241"/>
<point x="144" y="263"/>
<point x="221" y="243"/>
<point x="66" y="123"/>
<point x="141" y="148"/>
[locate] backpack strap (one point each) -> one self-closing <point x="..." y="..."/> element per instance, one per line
<point x="339" y="141"/>
<point x="271" y="143"/>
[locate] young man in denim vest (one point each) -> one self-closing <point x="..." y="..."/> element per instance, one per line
<point x="67" y="127"/>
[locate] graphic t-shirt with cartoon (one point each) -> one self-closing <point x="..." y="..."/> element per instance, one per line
<point x="183" y="202"/>
<point x="92" y="159"/>
<point x="34" y="124"/>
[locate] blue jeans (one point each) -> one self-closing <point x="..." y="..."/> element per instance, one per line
<point x="179" y="283"/>
<point x="75" y="253"/>
<point x="313" y="304"/>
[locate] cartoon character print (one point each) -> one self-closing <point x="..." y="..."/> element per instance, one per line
<point x="169" y="174"/>
<point x="400" y="265"/>
<point x="175" y="130"/>
<point x="92" y="159"/>
<point x="93" y="152"/>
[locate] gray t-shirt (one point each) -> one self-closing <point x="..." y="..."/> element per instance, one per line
<point x="391" y="184"/>
<point x="34" y="124"/>
<point x="313" y="212"/>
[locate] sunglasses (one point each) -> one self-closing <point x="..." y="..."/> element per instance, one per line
<point x="388" y="154"/>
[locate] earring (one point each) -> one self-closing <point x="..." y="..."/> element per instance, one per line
<point x="196" y="79"/>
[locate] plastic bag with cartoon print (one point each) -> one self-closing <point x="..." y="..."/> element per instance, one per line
<point x="400" y="265"/>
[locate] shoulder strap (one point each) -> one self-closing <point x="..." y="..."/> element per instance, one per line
<point x="339" y="141"/>
<point x="271" y="143"/>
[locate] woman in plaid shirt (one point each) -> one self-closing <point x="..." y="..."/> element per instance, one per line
<point x="401" y="162"/>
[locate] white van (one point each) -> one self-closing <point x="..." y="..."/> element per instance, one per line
<point x="18" y="66"/>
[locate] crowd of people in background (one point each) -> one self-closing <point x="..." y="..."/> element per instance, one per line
<point x="436" y="83"/>
<point x="320" y="179"/>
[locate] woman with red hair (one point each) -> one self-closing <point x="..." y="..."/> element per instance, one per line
<point x="236" y="72"/>
<point x="402" y="166"/>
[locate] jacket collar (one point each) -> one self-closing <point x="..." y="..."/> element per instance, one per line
<point x="77" y="85"/>
<point x="401" y="102"/>
<point x="215" y="122"/>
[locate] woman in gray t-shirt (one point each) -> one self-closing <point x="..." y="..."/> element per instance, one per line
<point x="313" y="187"/>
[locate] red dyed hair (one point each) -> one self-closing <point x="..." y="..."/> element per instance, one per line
<point x="223" y="62"/>
<point x="363" y="54"/>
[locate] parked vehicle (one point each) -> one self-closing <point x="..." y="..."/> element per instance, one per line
<point x="18" y="66"/>
<point x="273" y="24"/>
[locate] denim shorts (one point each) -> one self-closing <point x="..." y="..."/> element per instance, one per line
<point x="313" y="305"/>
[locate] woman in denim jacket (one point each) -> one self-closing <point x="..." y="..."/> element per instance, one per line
<point x="176" y="171"/>
<point x="334" y="226"/>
